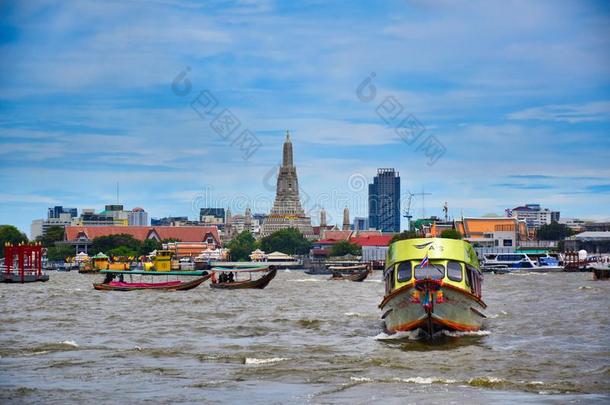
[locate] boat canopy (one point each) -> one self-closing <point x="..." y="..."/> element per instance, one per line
<point x="241" y="269"/>
<point x="434" y="248"/>
<point x="156" y="273"/>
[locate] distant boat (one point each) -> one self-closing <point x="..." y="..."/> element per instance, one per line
<point x="433" y="285"/>
<point x="110" y="284"/>
<point x="601" y="271"/>
<point x="508" y="262"/>
<point x="259" y="283"/>
<point x="356" y="273"/>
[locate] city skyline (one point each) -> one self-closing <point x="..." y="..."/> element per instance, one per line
<point x="82" y="107"/>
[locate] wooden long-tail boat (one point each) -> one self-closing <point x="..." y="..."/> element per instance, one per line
<point x="174" y="285"/>
<point x="356" y="273"/>
<point x="433" y="285"/>
<point x="357" y="276"/>
<point x="259" y="283"/>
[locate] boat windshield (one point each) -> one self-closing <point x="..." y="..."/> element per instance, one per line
<point x="431" y="271"/>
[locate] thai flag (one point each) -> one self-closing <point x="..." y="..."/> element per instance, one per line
<point x="424" y="262"/>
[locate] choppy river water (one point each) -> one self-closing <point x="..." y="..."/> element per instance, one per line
<point x="301" y="340"/>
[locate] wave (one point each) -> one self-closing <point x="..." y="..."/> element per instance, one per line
<point x="410" y="335"/>
<point x="255" y="361"/>
<point x="471" y="333"/>
<point x="426" y="380"/>
<point x="373" y="281"/>
<point x="70" y="343"/>
<point x="307" y="280"/>
<point x="501" y="313"/>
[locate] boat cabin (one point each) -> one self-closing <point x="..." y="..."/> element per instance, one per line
<point x="449" y="263"/>
<point x="162" y="261"/>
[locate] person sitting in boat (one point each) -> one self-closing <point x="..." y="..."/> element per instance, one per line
<point x="231" y="277"/>
<point x="121" y="279"/>
<point x="109" y="278"/>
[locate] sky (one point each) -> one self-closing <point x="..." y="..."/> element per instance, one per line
<point x="485" y="105"/>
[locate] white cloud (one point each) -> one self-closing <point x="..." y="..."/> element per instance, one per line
<point x="572" y="113"/>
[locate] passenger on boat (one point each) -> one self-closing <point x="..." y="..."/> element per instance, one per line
<point x="121" y="279"/>
<point x="231" y="277"/>
<point x="109" y="277"/>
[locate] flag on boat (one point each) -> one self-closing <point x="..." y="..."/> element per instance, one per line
<point x="424" y="262"/>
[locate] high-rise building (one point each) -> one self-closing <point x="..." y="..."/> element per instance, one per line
<point x="361" y="224"/>
<point x="287" y="211"/>
<point x="534" y="215"/>
<point x="384" y="201"/>
<point x="138" y="217"/>
<point x="55" y="212"/>
<point x="212" y="215"/>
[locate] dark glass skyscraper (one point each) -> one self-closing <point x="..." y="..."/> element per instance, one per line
<point x="384" y="201"/>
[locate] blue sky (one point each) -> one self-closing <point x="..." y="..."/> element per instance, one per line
<point x="516" y="92"/>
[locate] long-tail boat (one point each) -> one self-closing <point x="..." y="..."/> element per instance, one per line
<point x="356" y="273"/>
<point x="235" y="284"/>
<point x="432" y="285"/>
<point x="110" y="284"/>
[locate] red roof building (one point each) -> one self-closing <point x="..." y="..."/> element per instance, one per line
<point x="82" y="236"/>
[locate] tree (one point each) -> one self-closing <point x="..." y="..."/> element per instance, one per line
<point x="170" y="240"/>
<point x="289" y="241"/>
<point x="59" y="253"/>
<point x="107" y="243"/>
<point x="148" y="246"/>
<point x="9" y="233"/>
<point x="554" y="231"/>
<point x="122" y="251"/>
<point x="451" y="234"/>
<point x="53" y="234"/>
<point x="404" y="235"/>
<point x="344" y="247"/>
<point x="241" y="246"/>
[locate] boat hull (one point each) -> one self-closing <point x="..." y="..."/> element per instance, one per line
<point x="432" y="308"/>
<point x="357" y="277"/>
<point x="27" y="278"/>
<point x="238" y="285"/>
<point x="188" y="285"/>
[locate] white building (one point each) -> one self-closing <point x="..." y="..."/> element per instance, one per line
<point x="137" y="217"/>
<point x="534" y="215"/>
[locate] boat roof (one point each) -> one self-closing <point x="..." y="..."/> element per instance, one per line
<point x="240" y="268"/>
<point x="434" y="248"/>
<point x="156" y="273"/>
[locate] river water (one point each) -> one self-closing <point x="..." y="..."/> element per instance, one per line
<point x="301" y="340"/>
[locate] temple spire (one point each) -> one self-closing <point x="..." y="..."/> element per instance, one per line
<point x="287" y="155"/>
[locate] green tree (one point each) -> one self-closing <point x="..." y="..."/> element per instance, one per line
<point x="148" y="246"/>
<point x="241" y="246"/>
<point x="122" y="251"/>
<point x="451" y="234"/>
<point x="554" y="231"/>
<point x="9" y="233"/>
<point x="59" y="253"/>
<point x="53" y="234"/>
<point x="289" y="241"/>
<point x="106" y="243"/>
<point x="344" y="247"/>
<point x="404" y="235"/>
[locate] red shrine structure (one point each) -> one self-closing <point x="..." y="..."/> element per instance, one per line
<point x="22" y="263"/>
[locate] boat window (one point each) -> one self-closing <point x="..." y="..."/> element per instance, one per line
<point x="474" y="280"/>
<point x="389" y="280"/>
<point x="405" y="271"/>
<point x="454" y="271"/>
<point x="433" y="271"/>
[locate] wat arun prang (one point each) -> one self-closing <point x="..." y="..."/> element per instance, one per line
<point x="287" y="211"/>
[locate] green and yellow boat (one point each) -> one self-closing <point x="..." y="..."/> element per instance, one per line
<point x="432" y="284"/>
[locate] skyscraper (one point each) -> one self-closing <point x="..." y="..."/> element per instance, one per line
<point x="287" y="211"/>
<point x="384" y="201"/>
